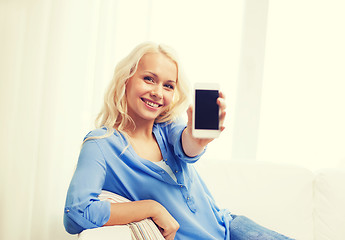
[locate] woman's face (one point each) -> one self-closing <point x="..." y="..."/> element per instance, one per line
<point x="151" y="89"/>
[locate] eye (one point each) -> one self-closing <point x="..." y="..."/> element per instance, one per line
<point x="169" y="86"/>
<point x="148" y="79"/>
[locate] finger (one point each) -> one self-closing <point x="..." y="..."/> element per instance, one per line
<point x="222" y="128"/>
<point x="190" y="112"/>
<point x="221" y="103"/>
<point x="171" y="236"/>
<point x="160" y="229"/>
<point x="221" y="120"/>
<point x="221" y="95"/>
<point x="190" y="115"/>
<point x="222" y="117"/>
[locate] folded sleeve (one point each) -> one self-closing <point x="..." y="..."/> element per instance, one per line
<point x="174" y="133"/>
<point x="83" y="209"/>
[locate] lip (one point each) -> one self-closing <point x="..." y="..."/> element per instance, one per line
<point x="151" y="104"/>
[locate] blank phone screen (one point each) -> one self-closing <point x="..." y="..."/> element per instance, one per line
<point x="206" y="109"/>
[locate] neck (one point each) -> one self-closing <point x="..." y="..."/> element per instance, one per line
<point x="141" y="130"/>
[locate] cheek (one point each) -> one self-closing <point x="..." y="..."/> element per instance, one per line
<point x="168" y="99"/>
<point x="135" y="89"/>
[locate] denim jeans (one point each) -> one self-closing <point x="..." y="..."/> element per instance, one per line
<point x="242" y="228"/>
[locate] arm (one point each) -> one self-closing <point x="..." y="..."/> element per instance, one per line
<point x="194" y="146"/>
<point x="83" y="210"/>
<point x="127" y="212"/>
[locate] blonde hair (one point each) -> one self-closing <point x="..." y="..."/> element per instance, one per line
<point x="114" y="111"/>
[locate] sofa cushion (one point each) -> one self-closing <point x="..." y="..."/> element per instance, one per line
<point x="330" y="204"/>
<point x="279" y="197"/>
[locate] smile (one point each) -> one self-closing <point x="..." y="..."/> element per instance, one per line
<point x="151" y="104"/>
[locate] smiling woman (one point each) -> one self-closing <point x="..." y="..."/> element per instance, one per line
<point x="150" y="162"/>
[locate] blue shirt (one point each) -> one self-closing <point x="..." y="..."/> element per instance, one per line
<point x="104" y="165"/>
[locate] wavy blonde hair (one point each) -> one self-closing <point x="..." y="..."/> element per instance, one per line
<point x="114" y="111"/>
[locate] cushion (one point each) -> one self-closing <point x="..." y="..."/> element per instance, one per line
<point x="144" y="229"/>
<point x="276" y="196"/>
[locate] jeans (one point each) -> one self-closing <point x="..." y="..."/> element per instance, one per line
<point x="242" y="228"/>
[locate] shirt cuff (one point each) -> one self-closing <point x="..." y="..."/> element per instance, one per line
<point x="95" y="215"/>
<point x="178" y="148"/>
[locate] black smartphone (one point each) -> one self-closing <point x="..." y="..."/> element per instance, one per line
<point x="206" y="110"/>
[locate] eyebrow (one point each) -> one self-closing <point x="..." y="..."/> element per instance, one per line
<point x="156" y="76"/>
<point x="152" y="73"/>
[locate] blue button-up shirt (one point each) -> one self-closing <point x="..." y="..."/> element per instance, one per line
<point x="111" y="164"/>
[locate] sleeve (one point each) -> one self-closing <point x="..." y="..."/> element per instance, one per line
<point x="174" y="135"/>
<point x="83" y="209"/>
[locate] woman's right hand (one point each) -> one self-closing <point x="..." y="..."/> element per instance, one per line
<point x="166" y="223"/>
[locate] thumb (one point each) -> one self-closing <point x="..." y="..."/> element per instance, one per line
<point x="190" y="116"/>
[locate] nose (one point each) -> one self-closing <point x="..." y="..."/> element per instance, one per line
<point x="157" y="91"/>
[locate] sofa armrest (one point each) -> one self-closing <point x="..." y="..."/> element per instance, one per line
<point x="106" y="233"/>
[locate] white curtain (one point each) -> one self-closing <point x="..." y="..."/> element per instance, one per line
<point x="57" y="56"/>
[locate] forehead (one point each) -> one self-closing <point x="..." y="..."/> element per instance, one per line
<point x="159" y="64"/>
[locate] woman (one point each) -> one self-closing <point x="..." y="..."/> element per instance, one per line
<point x="141" y="152"/>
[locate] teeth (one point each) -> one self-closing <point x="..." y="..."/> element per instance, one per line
<point x="151" y="104"/>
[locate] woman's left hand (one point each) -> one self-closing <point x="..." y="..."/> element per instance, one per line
<point x="193" y="146"/>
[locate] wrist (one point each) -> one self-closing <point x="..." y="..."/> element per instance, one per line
<point x="191" y="146"/>
<point x="155" y="208"/>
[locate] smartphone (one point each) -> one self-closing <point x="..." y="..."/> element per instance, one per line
<point x="206" y="110"/>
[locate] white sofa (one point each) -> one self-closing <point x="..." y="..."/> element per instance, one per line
<point x="289" y="199"/>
